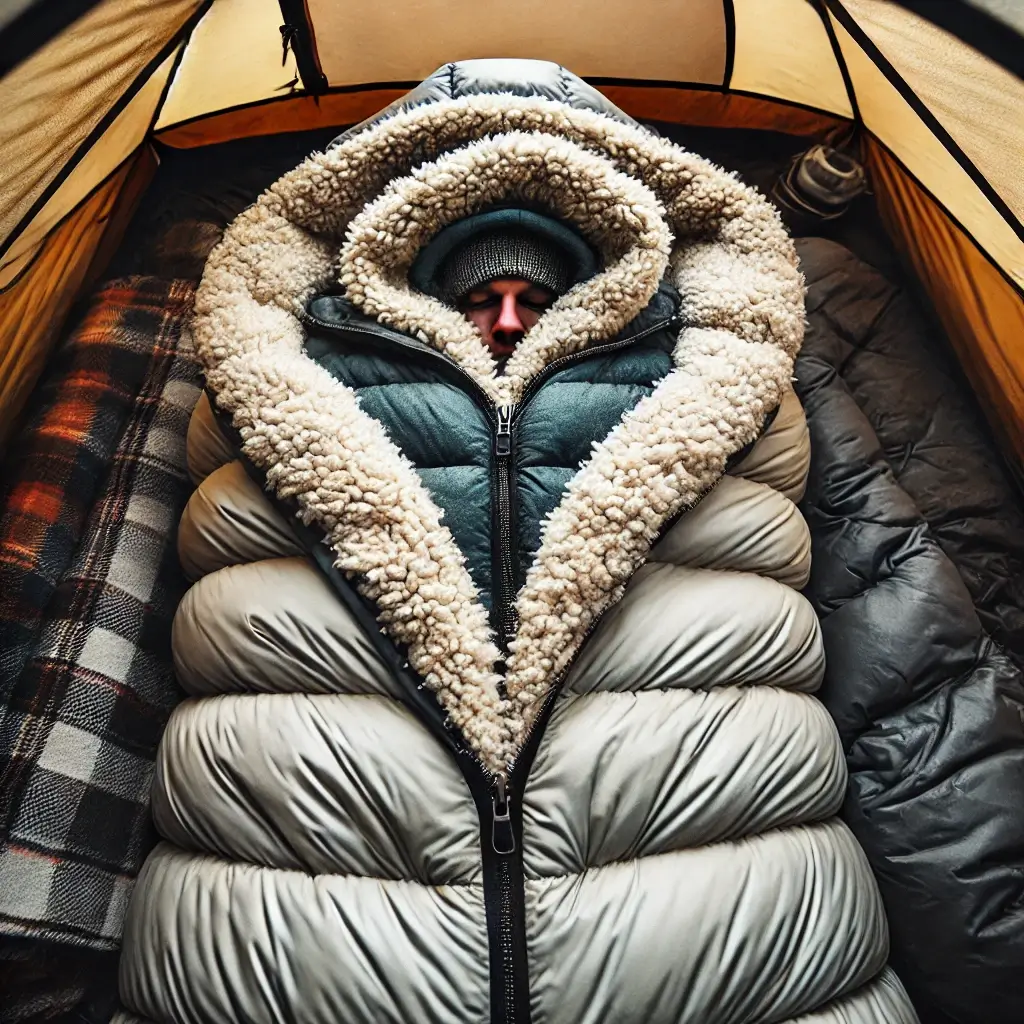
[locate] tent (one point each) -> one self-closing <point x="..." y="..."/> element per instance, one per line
<point x="935" y="89"/>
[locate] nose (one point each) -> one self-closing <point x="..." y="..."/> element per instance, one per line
<point x="508" y="328"/>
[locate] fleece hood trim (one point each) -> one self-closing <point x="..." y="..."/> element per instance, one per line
<point x="359" y="214"/>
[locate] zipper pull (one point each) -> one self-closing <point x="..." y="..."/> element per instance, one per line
<point x="503" y="433"/>
<point x="502" y="837"/>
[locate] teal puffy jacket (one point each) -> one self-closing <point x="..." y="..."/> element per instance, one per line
<point x="496" y="470"/>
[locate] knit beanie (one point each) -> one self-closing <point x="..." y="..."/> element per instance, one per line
<point x="503" y="243"/>
<point x="502" y="253"/>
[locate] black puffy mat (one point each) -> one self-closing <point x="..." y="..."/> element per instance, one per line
<point x="895" y="364"/>
<point x="929" y="708"/>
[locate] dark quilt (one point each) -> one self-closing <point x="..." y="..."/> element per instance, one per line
<point x="917" y="547"/>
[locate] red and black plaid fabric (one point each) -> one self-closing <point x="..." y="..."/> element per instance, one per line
<point x="59" y="461"/>
<point x="89" y="582"/>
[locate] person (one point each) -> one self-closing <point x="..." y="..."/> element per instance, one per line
<point x="501" y="679"/>
<point x="503" y="310"/>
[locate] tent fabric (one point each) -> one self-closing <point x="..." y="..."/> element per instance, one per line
<point x="124" y="136"/>
<point x="53" y="101"/>
<point x="668" y="103"/>
<point x="589" y="36"/>
<point x="33" y="307"/>
<point x="889" y="116"/>
<point x="233" y="59"/>
<point x="783" y="50"/>
<point x="951" y="117"/>
<point x="956" y="84"/>
<point x="982" y="313"/>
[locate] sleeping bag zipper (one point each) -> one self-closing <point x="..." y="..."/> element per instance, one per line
<point x="500" y="814"/>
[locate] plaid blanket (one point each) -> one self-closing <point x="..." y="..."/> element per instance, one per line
<point x="90" y="582"/>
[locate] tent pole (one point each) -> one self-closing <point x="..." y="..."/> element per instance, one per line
<point x="297" y="33"/>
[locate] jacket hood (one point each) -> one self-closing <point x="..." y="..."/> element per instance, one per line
<point x="359" y="214"/>
<point x="527" y="79"/>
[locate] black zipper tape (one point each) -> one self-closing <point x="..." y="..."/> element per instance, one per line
<point x="499" y="815"/>
<point x="504" y="545"/>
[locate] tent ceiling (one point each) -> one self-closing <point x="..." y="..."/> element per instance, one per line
<point x="955" y="83"/>
<point x="73" y="92"/>
<point x="783" y="50"/>
<point x="659" y="39"/>
<point x="590" y="38"/>
<point x="213" y="76"/>
<point x="78" y="110"/>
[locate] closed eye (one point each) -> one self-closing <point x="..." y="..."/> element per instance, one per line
<point x="485" y="303"/>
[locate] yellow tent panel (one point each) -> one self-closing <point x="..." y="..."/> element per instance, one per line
<point x="940" y="124"/>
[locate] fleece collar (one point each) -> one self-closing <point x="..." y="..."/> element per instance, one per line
<point x="358" y="214"/>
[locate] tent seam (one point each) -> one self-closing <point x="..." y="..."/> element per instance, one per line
<point x="165" y="92"/>
<point x="953" y="219"/>
<point x="930" y="121"/>
<point x="597" y="81"/>
<point x="132" y="156"/>
<point x="729" y="12"/>
<point x="837" y="52"/>
<point x="103" y="124"/>
<point x="295" y="14"/>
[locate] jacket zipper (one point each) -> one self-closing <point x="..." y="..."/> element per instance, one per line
<point x="503" y="843"/>
<point x="506" y="577"/>
<point x="507" y="416"/>
<point x="503" y="872"/>
<point x="503" y="838"/>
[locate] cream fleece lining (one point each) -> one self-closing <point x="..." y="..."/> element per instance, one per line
<point x="735" y="268"/>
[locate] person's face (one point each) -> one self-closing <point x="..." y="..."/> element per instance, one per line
<point x="504" y="310"/>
